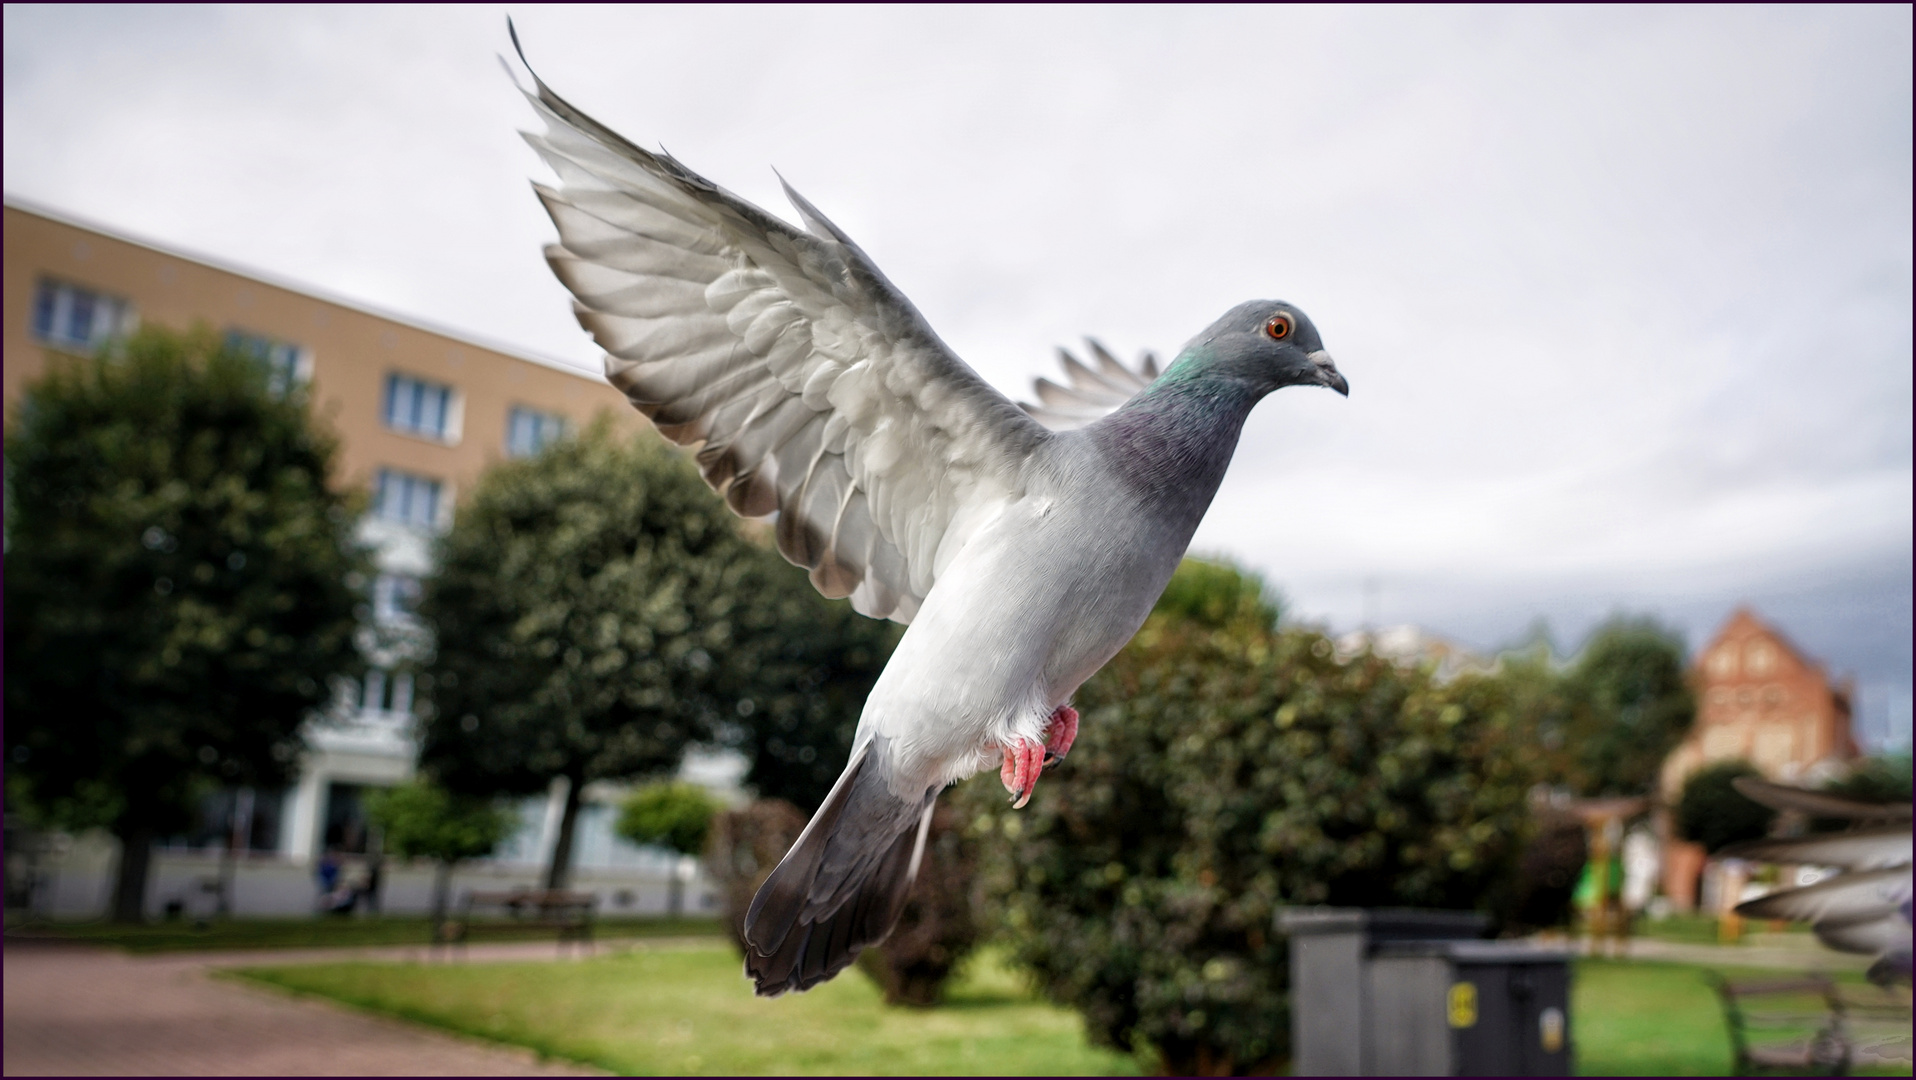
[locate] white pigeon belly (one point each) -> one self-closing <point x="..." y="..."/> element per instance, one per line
<point x="1033" y="606"/>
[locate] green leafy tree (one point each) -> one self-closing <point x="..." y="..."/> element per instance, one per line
<point x="419" y="820"/>
<point x="810" y="662"/>
<point x="1223" y="769"/>
<point x="584" y="607"/>
<point x="1629" y="703"/>
<point x="1217" y="594"/>
<point x="178" y="587"/>
<point x="1533" y="677"/>
<point x="672" y="814"/>
<point x="1713" y="813"/>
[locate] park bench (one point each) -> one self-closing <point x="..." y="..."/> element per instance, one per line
<point x="1806" y="1024"/>
<point x="568" y="914"/>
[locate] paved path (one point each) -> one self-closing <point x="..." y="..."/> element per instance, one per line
<point x="1802" y="954"/>
<point x="78" y="1011"/>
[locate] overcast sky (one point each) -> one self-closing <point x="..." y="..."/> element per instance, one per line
<point x="1623" y="295"/>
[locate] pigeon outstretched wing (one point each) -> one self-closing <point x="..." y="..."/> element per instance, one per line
<point x="1091" y="391"/>
<point x="1861" y="849"/>
<point x="1864" y="909"/>
<point x="1816" y="803"/>
<point x="811" y="387"/>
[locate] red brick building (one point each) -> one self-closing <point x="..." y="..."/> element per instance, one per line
<point x="1759" y="700"/>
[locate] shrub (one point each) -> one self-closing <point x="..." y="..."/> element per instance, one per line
<point x="676" y="815"/>
<point x="421" y="820"/>
<point x="938" y="927"/>
<point x="1713" y="813"/>
<point x="1547" y="873"/>
<point x="1223" y="771"/>
<point x="743" y="847"/>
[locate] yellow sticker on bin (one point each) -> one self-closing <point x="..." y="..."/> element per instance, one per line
<point x="1463" y="1004"/>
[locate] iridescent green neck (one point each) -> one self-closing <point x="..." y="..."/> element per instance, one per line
<point x="1176" y="438"/>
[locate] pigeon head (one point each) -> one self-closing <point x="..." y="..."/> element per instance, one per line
<point x="1264" y="344"/>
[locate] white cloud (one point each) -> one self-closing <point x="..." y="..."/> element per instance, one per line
<point x="1623" y="294"/>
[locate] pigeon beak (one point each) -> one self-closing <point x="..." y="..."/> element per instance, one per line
<point x="1327" y="374"/>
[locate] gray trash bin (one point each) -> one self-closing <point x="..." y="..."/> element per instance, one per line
<point x="1398" y="992"/>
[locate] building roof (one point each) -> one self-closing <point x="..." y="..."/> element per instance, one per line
<point x="267" y="277"/>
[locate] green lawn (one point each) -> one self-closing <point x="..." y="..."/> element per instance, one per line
<point x="1702" y="929"/>
<point x="1654" y="1019"/>
<point x="687" y="1009"/>
<point x="320" y="932"/>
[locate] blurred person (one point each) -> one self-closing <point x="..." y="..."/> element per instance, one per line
<point x="1642" y="861"/>
<point x="326" y="874"/>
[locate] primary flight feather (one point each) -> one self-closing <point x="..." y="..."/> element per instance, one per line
<point x="1865" y="907"/>
<point x="1022" y="554"/>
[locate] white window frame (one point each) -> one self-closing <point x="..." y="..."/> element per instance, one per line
<point x="452" y="410"/>
<point x="386" y="597"/>
<point x="287" y="364"/>
<point x="441" y="505"/>
<point x="540" y="419"/>
<point x="120" y="317"/>
<point x="386" y="694"/>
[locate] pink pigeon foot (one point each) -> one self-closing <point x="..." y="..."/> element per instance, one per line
<point x="1061" y="734"/>
<point x="1023" y="762"/>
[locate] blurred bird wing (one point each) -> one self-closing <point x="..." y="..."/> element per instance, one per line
<point x="811" y="387"/>
<point x="1869" y="935"/>
<point x="1842" y="900"/>
<point x="1817" y="804"/>
<point x="1863" y="849"/>
<point x="1090" y="391"/>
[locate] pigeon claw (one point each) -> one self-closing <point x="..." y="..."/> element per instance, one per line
<point x="1024" y="760"/>
<point x="1061" y="734"/>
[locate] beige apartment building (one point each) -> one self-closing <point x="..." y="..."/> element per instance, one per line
<point x="421" y="412"/>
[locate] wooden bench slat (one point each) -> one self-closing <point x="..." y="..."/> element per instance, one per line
<point x="569" y="914"/>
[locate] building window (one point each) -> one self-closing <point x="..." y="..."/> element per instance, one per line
<point x="395" y="597"/>
<point x="281" y="359"/>
<point x="417" y="407"/>
<point x="529" y="431"/>
<point x="73" y="317"/>
<point x="244" y="817"/>
<point x="345" y="831"/>
<point x="387" y="692"/>
<point x="407" y="499"/>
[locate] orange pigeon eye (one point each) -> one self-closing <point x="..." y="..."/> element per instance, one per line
<point x="1279" y="328"/>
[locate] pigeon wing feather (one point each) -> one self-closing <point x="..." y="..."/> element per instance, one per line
<point x="1862" y="849"/>
<point x="809" y="385"/>
<point x="1816" y="803"/>
<point x="1091" y="391"/>
<point x="1846" y="898"/>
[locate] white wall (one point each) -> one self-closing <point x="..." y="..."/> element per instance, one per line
<point x="76" y="882"/>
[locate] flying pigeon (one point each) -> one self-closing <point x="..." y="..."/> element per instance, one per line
<point x="1863" y="909"/>
<point x="1021" y="557"/>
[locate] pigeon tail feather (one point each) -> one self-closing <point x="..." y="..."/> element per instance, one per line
<point x="844" y="883"/>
